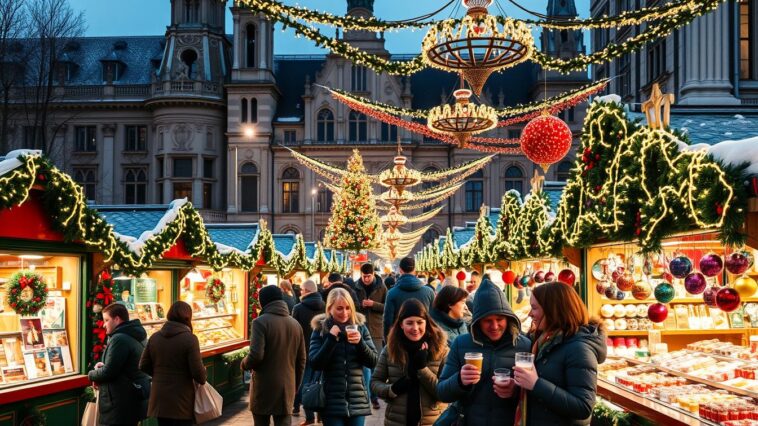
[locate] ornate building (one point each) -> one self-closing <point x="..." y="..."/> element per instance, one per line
<point x="206" y="115"/>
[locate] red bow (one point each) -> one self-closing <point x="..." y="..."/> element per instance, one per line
<point x="99" y="333"/>
<point x="106" y="296"/>
<point x="24" y="282"/>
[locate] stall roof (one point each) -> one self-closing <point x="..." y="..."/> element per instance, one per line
<point x="133" y="220"/>
<point x="240" y="236"/>
<point x="285" y="244"/>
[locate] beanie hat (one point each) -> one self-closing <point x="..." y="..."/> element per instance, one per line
<point x="268" y="294"/>
<point x="411" y="308"/>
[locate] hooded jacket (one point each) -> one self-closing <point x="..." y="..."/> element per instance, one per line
<point x="567" y="369"/>
<point x="374" y="315"/>
<point x="277" y="358"/>
<point x="309" y="306"/>
<point x="480" y="405"/>
<point x="341" y="365"/>
<point x="120" y="402"/>
<point x="172" y="357"/>
<point x="452" y="327"/>
<point x="406" y="287"/>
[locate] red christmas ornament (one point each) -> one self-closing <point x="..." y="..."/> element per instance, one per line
<point x="567" y="277"/>
<point x="727" y="299"/>
<point x="546" y="140"/>
<point x="657" y="312"/>
<point x="460" y="276"/>
<point x="509" y="276"/>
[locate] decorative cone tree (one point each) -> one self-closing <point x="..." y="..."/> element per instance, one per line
<point x="354" y="224"/>
<point x="510" y="208"/>
<point x="449" y="258"/>
<point x="531" y="222"/>
<point x="480" y="249"/>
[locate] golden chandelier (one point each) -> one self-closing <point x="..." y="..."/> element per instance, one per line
<point x="462" y="119"/>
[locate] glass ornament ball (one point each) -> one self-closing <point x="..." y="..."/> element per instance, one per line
<point x="727" y="299"/>
<point x="620" y="295"/>
<point x="601" y="286"/>
<point x="745" y="286"/>
<point x="539" y="277"/>
<point x="610" y="292"/>
<point x="524" y="281"/>
<point x="657" y="312"/>
<point x="509" y="277"/>
<point x="567" y="277"/>
<point x="680" y="266"/>
<point x="737" y="263"/>
<point x="664" y="292"/>
<point x="695" y="283"/>
<point x="641" y="290"/>
<point x="460" y="276"/>
<point x="625" y="282"/>
<point x="711" y="264"/>
<point x="709" y="295"/>
<point x="549" y="276"/>
<point x="617" y="273"/>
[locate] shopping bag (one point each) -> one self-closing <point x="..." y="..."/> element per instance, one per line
<point x="208" y="403"/>
<point x="90" y="416"/>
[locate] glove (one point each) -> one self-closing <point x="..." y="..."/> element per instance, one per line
<point x="400" y="386"/>
<point x="419" y="360"/>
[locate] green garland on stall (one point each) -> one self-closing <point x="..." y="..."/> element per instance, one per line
<point x="603" y="415"/>
<point x="234" y="356"/>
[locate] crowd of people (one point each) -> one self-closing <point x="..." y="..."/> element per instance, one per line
<point x="436" y="351"/>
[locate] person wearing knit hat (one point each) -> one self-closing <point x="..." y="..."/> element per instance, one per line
<point x="406" y="374"/>
<point x="277" y="355"/>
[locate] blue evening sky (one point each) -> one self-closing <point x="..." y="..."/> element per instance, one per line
<point x="150" y="17"/>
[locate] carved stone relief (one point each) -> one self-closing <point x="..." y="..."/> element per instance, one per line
<point x="183" y="135"/>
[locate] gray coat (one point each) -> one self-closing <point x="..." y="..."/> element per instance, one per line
<point x="567" y="368"/>
<point x="375" y="313"/>
<point x="479" y="403"/>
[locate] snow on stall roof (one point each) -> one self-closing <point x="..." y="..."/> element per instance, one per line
<point x="12" y="162"/>
<point x="136" y="244"/>
<point x="730" y="152"/>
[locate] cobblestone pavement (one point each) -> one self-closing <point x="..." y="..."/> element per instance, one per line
<point x="237" y="414"/>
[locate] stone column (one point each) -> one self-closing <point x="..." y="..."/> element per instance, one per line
<point x="108" y="163"/>
<point x="232" y="192"/>
<point x="237" y="51"/>
<point x="262" y="45"/>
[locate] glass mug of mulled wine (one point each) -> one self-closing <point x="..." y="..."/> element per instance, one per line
<point x="475" y="359"/>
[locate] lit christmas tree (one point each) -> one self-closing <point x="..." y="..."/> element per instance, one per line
<point x="480" y="249"/>
<point x="534" y="217"/>
<point x="506" y="225"/>
<point x="354" y="224"/>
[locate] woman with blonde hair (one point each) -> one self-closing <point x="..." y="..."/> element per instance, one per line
<point x="340" y="347"/>
<point x="568" y="345"/>
<point x="406" y="375"/>
<point x="288" y="294"/>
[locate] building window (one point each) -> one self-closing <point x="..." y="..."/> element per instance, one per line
<point x="250" y="45"/>
<point x="656" y="60"/>
<point x="745" y="24"/>
<point x="514" y="179"/>
<point x="86" y="139"/>
<point x="189" y="59"/>
<point x="324" y="202"/>
<point x="136" y="138"/>
<point x="389" y="133"/>
<point x="135" y="186"/>
<point x="358" y="79"/>
<point x="183" y="190"/>
<point x="159" y="193"/>
<point x="33" y="137"/>
<point x="475" y="191"/>
<point x="358" y="125"/>
<point x="325" y="126"/>
<point x="249" y="187"/>
<point x="290" y="136"/>
<point x="208" y="168"/>
<point x="253" y="110"/>
<point x="428" y="185"/>
<point x="243" y="111"/>
<point x="563" y="172"/>
<point x="624" y="72"/>
<point x="86" y="178"/>
<point x="430" y="236"/>
<point x="191" y="11"/>
<point x="290" y="190"/>
<point x="514" y="133"/>
<point x="160" y="167"/>
<point x="182" y="167"/>
<point x="207" y="195"/>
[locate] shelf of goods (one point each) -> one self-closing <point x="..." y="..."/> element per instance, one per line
<point x="637" y="294"/>
<point x="710" y="382"/>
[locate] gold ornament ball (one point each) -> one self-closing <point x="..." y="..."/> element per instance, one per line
<point x="745" y="286"/>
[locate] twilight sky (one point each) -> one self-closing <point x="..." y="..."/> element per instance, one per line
<point x="150" y="17"/>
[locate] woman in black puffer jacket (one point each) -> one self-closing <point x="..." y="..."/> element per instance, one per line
<point x="340" y="356"/>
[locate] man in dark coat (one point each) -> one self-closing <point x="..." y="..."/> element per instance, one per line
<point x="277" y="358"/>
<point x="335" y="281"/>
<point x="372" y="293"/>
<point x="124" y="389"/>
<point x="406" y="287"/>
<point x="310" y="305"/>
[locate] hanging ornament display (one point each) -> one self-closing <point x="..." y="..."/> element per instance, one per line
<point x="460" y="276"/>
<point x="617" y="273"/>
<point x="549" y="276"/>
<point x="625" y="282"/>
<point x="611" y="291"/>
<point x="509" y="276"/>
<point x="546" y="140"/>
<point x="711" y="265"/>
<point x="657" y="312"/>
<point x="667" y="277"/>
<point x="695" y="283"/>
<point x="567" y="277"/>
<point x="664" y="292"/>
<point x="680" y="266"/>
<point x="709" y="295"/>
<point x="539" y="277"/>
<point x="641" y="290"/>
<point x="727" y="299"/>
<point x="524" y="281"/>
<point x="745" y="286"/>
<point x="214" y="290"/>
<point x="620" y="295"/>
<point x="750" y="258"/>
<point x="737" y="263"/>
<point x="26" y="292"/>
<point x="601" y="286"/>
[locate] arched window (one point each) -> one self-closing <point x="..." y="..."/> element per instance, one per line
<point x="475" y="191"/>
<point x="290" y="231"/>
<point x="86" y="178"/>
<point x="243" y="111"/>
<point x="135" y="186"/>
<point x="290" y="190"/>
<point x="253" y="110"/>
<point x="430" y="235"/>
<point x="514" y="179"/>
<point x="325" y="126"/>
<point x="563" y="172"/>
<point x="357" y="126"/>
<point x="428" y="185"/>
<point x="389" y="133"/>
<point x="324" y="202"/>
<point x="189" y="57"/>
<point x="250" y="46"/>
<point x="248" y="187"/>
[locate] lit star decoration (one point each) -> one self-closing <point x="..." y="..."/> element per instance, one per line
<point x="546" y="140"/>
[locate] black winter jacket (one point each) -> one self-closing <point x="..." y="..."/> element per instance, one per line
<point x="406" y="287"/>
<point x="481" y="406"/>
<point x="341" y="364"/>
<point x="119" y="401"/>
<point x="309" y="306"/>
<point x="452" y="327"/>
<point x="567" y="368"/>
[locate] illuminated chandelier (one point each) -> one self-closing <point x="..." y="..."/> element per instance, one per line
<point x="399" y="176"/>
<point x="396" y="198"/>
<point x="462" y="119"/>
<point x="393" y="219"/>
<point x="476" y="46"/>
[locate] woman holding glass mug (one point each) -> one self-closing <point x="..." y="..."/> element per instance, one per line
<point x="469" y="375"/>
<point x="340" y="347"/>
<point x="559" y="387"/>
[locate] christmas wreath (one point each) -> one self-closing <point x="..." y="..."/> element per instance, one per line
<point x="27" y="293"/>
<point x="214" y="290"/>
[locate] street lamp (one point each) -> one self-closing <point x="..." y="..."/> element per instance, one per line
<point x="249" y="132"/>
<point x="314" y="192"/>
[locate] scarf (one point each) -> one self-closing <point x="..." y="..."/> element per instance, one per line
<point x="413" y="397"/>
<point x="539" y="343"/>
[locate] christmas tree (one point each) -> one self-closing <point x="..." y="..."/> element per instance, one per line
<point x="450" y="257"/>
<point x="354" y="224"/>
<point x="480" y="249"/>
<point x="506" y="224"/>
<point x="531" y="222"/>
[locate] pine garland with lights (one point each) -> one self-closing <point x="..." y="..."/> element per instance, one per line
<point x="505" y="233"/>
<point x="531" y="222"/>
<point x="354" y="224"/>
<point x="450" y="256"/>
<point x="480" y="250"/>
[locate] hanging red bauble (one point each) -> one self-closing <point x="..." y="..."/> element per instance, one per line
<point x="727" y="299"/>
<point x="567" y="277"/>
<point x="657" y="312"/>
<point x="546" y="140"/>
<point x="549" y="276"/>
<point x="509" y="276"/>
<point x="460" y="275"/>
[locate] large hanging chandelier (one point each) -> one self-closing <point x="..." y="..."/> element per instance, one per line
<point x="400" y="176"/>
<point x="476" y="46"/>
<point x="395" y="198"/>
<point x="462" y="119"/>
<point x="393" y="219"/>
